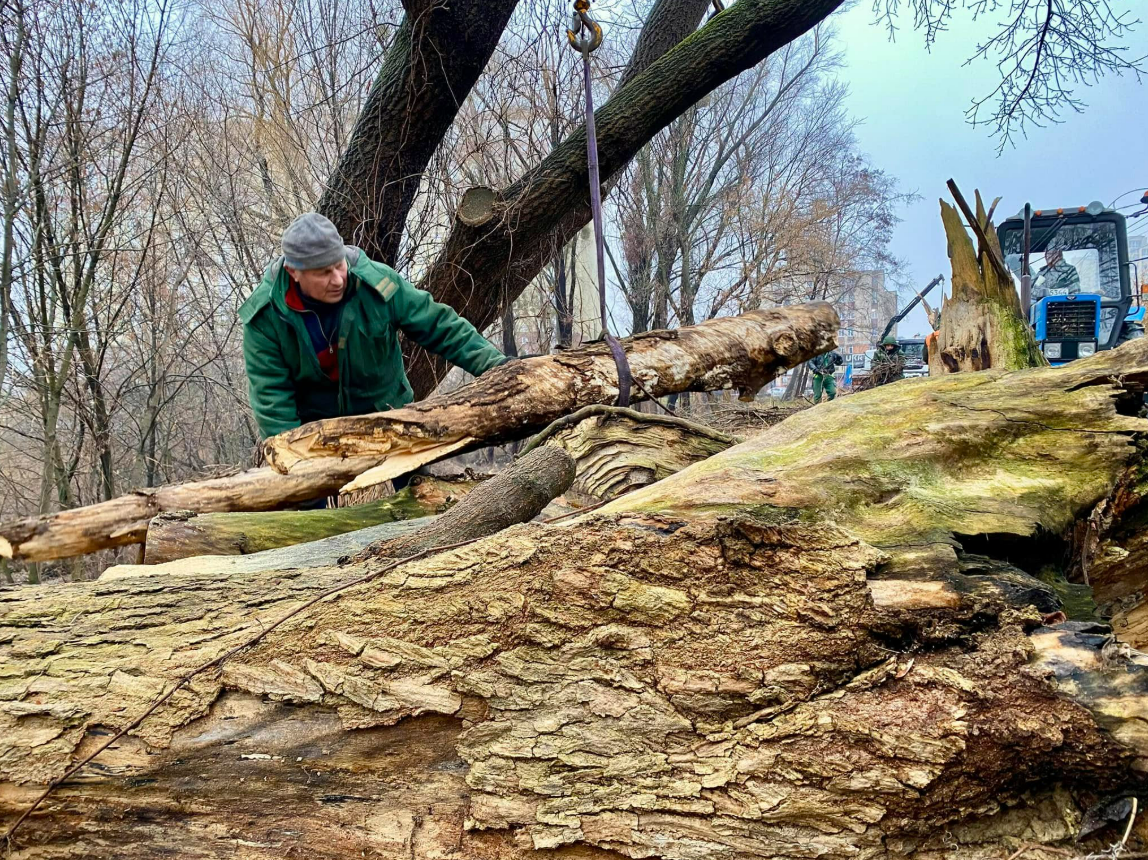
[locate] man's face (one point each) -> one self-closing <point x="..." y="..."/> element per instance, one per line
<point x="322" y="285"/>
<point x="1052" y="257"/>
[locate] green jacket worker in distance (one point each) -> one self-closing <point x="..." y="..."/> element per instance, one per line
<point x="320" y="332"/>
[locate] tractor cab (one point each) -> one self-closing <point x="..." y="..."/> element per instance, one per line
<point x="1081" y="298"/>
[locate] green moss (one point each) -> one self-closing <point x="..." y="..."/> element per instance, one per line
<point x="1076" y="597"/>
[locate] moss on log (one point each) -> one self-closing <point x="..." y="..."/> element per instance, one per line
<point x="181" y="534"/>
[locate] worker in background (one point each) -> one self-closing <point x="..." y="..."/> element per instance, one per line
<point x="1057" y="277"/>
<point x="888" y="365"/>
<point x="320" y="332"/>
<point x="823" y="367"/>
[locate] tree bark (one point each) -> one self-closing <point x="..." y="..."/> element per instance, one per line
<point x="982" y="324"/>
<point x="182" y="534"/>
<point x="515" y="400"/>
<point x="481" y="268"/>
<point x="720" y="665"/>
<point x="506" y="403"/>
<point x="438" y="53"/>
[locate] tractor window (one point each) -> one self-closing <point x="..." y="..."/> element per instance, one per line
<point x="1067" y="258"/>
<point x="1062" y="273"/>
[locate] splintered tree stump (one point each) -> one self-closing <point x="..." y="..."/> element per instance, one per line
<point x="815" y="643"/>
<point x="507" y="403"/>
<point x="182" y="534"/>
<point x="982" y="324"/>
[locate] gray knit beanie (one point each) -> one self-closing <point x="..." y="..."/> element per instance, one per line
<point x="311" y="241"/>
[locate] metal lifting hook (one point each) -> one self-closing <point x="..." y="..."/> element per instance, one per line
<point x="581" y="22"/>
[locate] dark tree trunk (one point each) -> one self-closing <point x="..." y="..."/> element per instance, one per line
<point x="438" y="54"/>
<point x="509" y="344"/>
<point x="485" y="264"/>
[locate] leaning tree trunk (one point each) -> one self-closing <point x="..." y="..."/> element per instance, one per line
<point x="507" y="403"/>
<point x="815" y="643"/>
<point x="982" y="323"/>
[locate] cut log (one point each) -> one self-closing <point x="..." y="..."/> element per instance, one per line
<point x="618" y="450"/>
<point x="982" y="324"/>
<point x="717" y="666"/>
<point x="510" y="402"/>
<point x="316" y="553"/>
<point x="182" y="534"/>
<point x="638" y="684"/>
<point x="523" y="397"/>
<point x="515" y="495"/>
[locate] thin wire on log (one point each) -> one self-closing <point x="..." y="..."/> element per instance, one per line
<point x="254" y="640"/>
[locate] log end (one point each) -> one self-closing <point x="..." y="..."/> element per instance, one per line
<point x="477" y="206"/>
<point x="5" y="548"/>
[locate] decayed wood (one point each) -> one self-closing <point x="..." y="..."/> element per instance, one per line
<point x="617" y="450"/>
<point x="982" y="324"/>
<point x="182" y="534"/>
<point x="913" y="467"/>
<point x="506" y="403"/>
<point x="720" y="665"/>
<point x="521" y="398"/>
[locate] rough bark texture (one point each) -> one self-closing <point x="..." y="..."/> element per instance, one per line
<point x="482" y="268"/>
<point x="181" y="534"/>
<point x="506" y="403"/>
<point x="618" y="450"/>
<point x="436" y="57"/>
<point x="522" y="397"/>
<point x="738" y="698"/>
<point x="982" y="324"/>
<point x="720" y="665"/>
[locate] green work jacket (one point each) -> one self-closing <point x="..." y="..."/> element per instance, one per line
<point x="285" y="383"/>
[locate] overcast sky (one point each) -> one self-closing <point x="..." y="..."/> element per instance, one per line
<point x="912" y="103"/>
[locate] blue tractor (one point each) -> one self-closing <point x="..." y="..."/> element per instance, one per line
<point x="1072" y="270"/>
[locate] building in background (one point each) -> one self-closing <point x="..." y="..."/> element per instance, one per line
<point x="865" y="307"/>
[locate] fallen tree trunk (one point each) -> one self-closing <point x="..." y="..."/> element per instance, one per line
<point x="509" y="402"/>
<point x="523" y="397"/>
<point x="720" y="665"/>
<point x="182" y="534"/>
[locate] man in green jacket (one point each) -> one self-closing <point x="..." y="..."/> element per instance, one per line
<point x="320" y="332"/>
